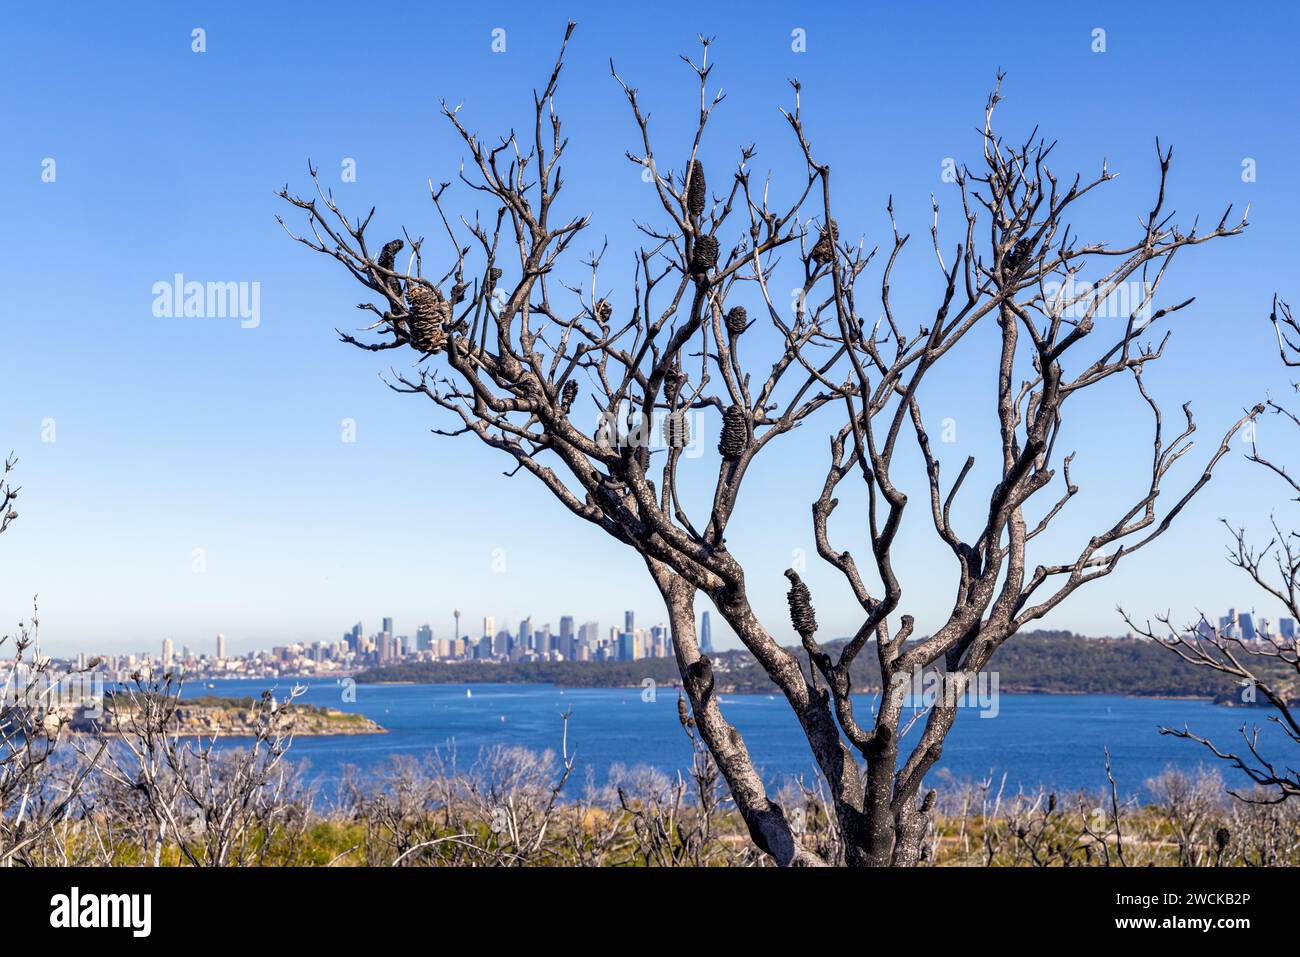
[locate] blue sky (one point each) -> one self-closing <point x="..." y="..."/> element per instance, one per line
<point x="175" y="434"/>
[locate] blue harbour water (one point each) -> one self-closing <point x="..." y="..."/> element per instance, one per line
<point x="1055" y="741"/>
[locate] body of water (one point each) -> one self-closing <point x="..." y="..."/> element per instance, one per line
<point x="1052" y="740"/>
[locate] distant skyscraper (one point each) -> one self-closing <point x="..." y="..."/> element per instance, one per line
<point x="388" y="626"/>
<point x="489" y="626"/>
<point x="168" y="652"/>
<point x="706" y="635"/>
<point x="568" y="643"/>
<point x="1247" y="625"/>
<point x="526" y="634"/>
<point x="221" y="646"/>
<point x="627" y="646"/>
<point x="1286" y="627"/>
<point x="424" y="638"/>
<point x="1228" y="625"/>
<point x="628" y="624"/>
<point x="588" y="635"/>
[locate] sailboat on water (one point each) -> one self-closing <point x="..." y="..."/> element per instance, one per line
<point x="469" y="693"/>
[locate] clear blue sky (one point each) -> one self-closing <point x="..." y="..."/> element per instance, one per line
<point x="177" y="434"/>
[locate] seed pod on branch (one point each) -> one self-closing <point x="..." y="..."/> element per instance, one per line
<point x="824" y="251"/>
<point x="603" y="310"/>
<point x="677" y="431"/>
<point x="387" y="259"/>
<point x="737" y="321"/>
<point x="1018" y="255"/>
<point x="802" y="615"/>
<point x="696" y="189"/>
<point x="705" y="255"/>
<point x="429" y="313"/>
<point x="684" y="715"/>
<point x="567" y="395"/>
<point x="735" y="433"/>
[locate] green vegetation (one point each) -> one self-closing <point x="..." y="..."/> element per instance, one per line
<point x="1056" y="662"/>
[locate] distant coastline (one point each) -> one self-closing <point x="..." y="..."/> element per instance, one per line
<point x="1037" y="663"/>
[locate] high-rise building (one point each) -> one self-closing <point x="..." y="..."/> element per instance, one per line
<point x="424" y="638"/>
<point x="706" y="635"/>
<point x="388" y="626"/>
<point x="1247" y="624"/>
<point x="1229" y="624"/>
<point x="1286" y="627"/>
<point x="221" y="647"/>
<point x="168" y="652"/>
<point x="525" y="640"/>
<point x="628" y="621"/>
<point x="489" y="625"/>
<point x="627" y="646"/>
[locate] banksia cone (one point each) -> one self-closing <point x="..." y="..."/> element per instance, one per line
<point x="1018" y="256"/>
<point x="603" y="310"/>
<point x="696" y="190"/>
<point x="1051" y="802"/>
<point x="737" y="320"/>
<point x="428" y="313"/>
<point x="824" y="251"/>
<point x="705" y="256"/>
<point x="1221" y="838"/>
<point x="387" y="259"/>
<point x="567" y="395"/>
<point x="677" y="431"/>
<point x="802" y="615"/>
<point x="734" y="434"/>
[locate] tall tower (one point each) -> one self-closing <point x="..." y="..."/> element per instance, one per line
<point x="489" y="626"/>
<point x="706" y="635"/>
<point x="388" y="626"/>
<point x="168" y="652"/>
<point x="628" y="621"/>
<point x="221" y="647"/>
<point x="456" y="614"/>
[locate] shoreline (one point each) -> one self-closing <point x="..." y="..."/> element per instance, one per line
<point x="731" y="690"/>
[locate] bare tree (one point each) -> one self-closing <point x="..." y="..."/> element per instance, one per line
<point x="215" y="808"/>
<point x="510" y="364"/>
<point x="1268" y="664"/>
<point x="32" y="725"/>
